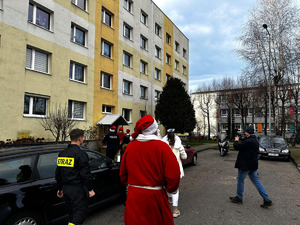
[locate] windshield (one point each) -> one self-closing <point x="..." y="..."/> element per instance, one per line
<point x="265" y="141"/>
<point x="278" y="142"/>
<point x="272" y="142"/>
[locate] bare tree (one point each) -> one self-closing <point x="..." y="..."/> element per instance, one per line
<point x="271" y="54"/>
<point x="58" y="123"/>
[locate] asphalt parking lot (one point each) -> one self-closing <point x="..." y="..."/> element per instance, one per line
<point x="205" y="191"/>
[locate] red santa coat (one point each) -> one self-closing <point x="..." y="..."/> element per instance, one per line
<point x="153" y="164"/>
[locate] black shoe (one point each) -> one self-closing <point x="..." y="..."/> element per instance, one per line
<point x="236" y="199"/>
<point x="267" y="203"/>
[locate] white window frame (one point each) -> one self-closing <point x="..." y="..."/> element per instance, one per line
<point x="157" y="30"/>
<point x="34" y="12"/>
<point x="145" y="41"/>
<point x="105" y="109"/>
<point x="157" y="74"/>
<point x="168" y="39"/>
<point x="30" y="114"/>
<point x="143" y="67"/>
<point x="130" y="31"/>
<point x="145" y="17"/>
<point x="177" y="47"/>
<point x="102" y="81"/>
<point x="104" y="12"/>
<point x="73" y="39"/>
<point x="168" y="59"/>
<point x="83" y="114"/>
<point x="145" y="94"/>
<point x="183" y="69"/>
<point x="110" y="48"/>
<point x="157" y="52"/>
<point x="224" y="115"/>
<point x="130" y="59"/>
<point x="127" y="4"/>
<point x="123" y="114"/>
<point x="75" y="2"/>
<point x="176" y="65"/>
<point x="73" y="72"/>
<point x="33" y="56"/>
<point x="1" y="4"/>
<point x="130" y="87"/>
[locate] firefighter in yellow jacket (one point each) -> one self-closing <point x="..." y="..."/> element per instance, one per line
<point x="74" y="178"/>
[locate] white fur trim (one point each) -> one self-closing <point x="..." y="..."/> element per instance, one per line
<point x="151" y="129"/>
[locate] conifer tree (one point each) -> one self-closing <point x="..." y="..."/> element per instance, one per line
<point x="174" y="108"/>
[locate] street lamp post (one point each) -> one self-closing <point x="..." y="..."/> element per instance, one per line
<point x="269" y="81"/>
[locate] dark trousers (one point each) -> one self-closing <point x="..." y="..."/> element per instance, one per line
<point x="111" y="153"/>
<point x="76" y="200"/>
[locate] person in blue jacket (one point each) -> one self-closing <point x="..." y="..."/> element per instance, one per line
<point x="113" y="143"/>
<point x="247" y="165"/>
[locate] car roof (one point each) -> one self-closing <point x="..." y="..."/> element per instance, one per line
<point x="29" y="149"/>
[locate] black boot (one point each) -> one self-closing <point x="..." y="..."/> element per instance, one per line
<point x="267" y="203"/>
<point x="236" y="199"/>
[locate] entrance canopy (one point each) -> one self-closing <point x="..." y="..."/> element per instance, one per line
<point x="112" y="120"/>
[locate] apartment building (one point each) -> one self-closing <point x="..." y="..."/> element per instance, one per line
<point x="94" y="57"/>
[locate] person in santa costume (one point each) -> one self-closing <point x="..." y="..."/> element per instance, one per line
<point x="150" y="169"/>
<point x="175" y="143"/>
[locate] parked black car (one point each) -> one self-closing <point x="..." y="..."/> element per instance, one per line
<point x="274" y="147"/>
<point x="28" y="188"/>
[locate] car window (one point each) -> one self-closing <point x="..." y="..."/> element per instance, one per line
<point x="15" y="170"/>
<point x="47" y="165"/>
<point x="265" y="141"/>
<point x="97" y="161"/>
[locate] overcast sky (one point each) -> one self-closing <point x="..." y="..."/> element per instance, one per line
<point x="212" y="27"/>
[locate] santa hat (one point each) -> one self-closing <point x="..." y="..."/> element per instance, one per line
<point x="147" y="125"/>
<point x="112" y="129"/>
<point x="128" y="131"/>
<point x="121" y="128"/>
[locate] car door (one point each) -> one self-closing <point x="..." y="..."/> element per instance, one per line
<point x="106" y="179"/>
<point x="46" y="188"/>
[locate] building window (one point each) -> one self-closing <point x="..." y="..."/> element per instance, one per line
<point x="168" y="59"/>
<point x="106" y="81"/>
<point x="176" y="65"/>
<point x="157" y="74"/>
<point x="76" y="110"/>
<point x="37" y="60"/>
<point x="224" y="112"/>
<point x="168" y="39"/>
<point x="77" y="72"/>
<point x="144" y="43"/>
<point x="80" y="3"/>
<point x="184" y="53"/>
<point x="177" y="46"/>
<point x="35" y="106"/>
<point x="78" y="35"/>
<point x="250" y="112"/>
<point x="127" y="86"/>
<point x="157" y="52"/>
<point x="107" y="17"/>
<point x="143" y="67"/>
<point x="107" y="109"/>
<point x="224" y="126"/>
<point x="127" y="59"/>
<point x="156" y="94"/>
<point x="144" y="91"/>
<point x="1" y="4"/>
<point x="143" y="113"/>
<point x="127" y="31"/>
<point x="128" y="5"/>
<point x="184" y="70"/>
<point x="144" y="17"/>
<point x="237" y="113"/>
<point x="237" y="126"/>
<point x="126" y="113"/>
<point x="106" y="49"/>
<point x="168" y="77"/>
<point x="38" y="16"/>
<point x="157" y="30"/>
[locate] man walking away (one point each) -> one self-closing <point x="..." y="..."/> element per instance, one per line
<point x="247" y="164"/>
<point x="74" y="179"/>
<point x="113" y="143"/>
<point x="149" y="168"/>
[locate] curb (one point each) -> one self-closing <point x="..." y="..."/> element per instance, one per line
<point x="296" y="164"/>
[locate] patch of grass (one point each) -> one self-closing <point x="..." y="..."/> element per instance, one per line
<point x="295" y="153"/>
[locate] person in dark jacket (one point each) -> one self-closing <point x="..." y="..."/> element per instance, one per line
<point x="74" y="178"/>
<point x="247" y="165"/>
<point x="113" y="143"/>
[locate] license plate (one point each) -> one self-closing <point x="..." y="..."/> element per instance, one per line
<point x="273" y="154"/>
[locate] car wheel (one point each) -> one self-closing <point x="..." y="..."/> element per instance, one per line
<point x="25" y="218"/>
<point x="194" y="162"/>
